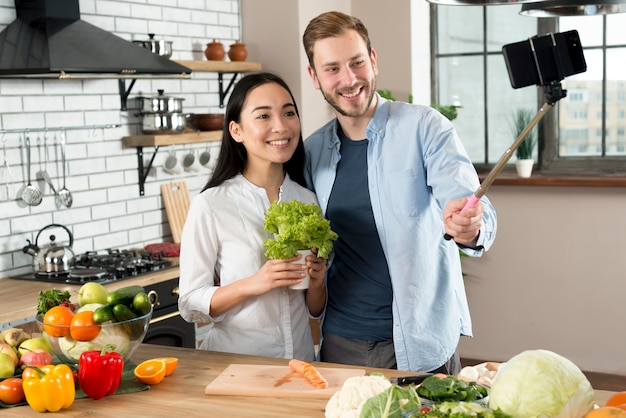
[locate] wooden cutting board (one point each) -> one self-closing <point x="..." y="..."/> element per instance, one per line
<point x="276" y="381"/>
<point x="176" y="201"/>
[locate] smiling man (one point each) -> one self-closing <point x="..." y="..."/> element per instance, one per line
<point x="392" y="178"/>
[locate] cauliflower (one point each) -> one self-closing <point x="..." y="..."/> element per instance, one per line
<point x="348" y="401"/>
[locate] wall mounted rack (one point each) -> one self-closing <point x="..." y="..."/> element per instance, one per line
<point x="157" y="141"/>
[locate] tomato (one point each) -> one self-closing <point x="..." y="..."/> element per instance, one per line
<point x="30" y="372"/>
<point x="11" y="391"/>
<point x="83" y="328"/>
<point x="425" y="410"/>
<point x="57" y="321"/>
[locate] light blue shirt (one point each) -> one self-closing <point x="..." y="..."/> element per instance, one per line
<point x="416" y="165"/>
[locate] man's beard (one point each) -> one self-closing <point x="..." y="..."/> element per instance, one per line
<point x="350" y="112"/>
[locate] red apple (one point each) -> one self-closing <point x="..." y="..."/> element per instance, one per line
<point x="38" y="357"/>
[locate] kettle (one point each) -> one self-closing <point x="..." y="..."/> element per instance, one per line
<point x="51" y="258"/>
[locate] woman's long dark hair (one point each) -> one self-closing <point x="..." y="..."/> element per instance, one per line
<point x="233" y="155"/>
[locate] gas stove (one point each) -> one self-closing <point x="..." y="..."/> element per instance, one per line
<point x="106" y="267"/>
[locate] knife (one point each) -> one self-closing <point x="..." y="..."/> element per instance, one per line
<point x="407" y="380"/>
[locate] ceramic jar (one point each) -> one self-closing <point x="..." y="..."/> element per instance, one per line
<point x="214" y="51"/>
<point x="238" y="52"/>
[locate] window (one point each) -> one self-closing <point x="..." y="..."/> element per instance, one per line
<point x="583" y="133"/>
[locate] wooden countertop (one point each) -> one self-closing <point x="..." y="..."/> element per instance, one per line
<point x="20" y="299"/>
<point x="182" y="393"/>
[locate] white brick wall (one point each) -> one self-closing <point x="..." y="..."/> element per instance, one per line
<point x="102" y="174"/>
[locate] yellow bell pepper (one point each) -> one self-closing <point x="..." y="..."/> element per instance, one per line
<point x="51" y="389"/>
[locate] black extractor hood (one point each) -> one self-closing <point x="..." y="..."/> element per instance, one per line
<point x="48" y="40"/>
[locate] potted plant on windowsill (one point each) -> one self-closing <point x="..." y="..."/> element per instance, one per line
<point x="524" y="152"/>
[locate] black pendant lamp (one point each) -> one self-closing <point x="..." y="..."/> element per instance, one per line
<point x="563" y="8"/>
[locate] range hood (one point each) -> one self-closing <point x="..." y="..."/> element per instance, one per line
<point x="48" y="40"/>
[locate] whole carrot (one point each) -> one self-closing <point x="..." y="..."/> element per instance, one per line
<point x="310" y="373"/>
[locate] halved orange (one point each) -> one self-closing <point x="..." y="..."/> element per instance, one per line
<point x="170" y="364"/>
<point x="150" y="371"/>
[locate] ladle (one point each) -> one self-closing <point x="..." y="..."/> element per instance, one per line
<point x="31" y="194"/>
<point x="44" y="173"/>
<point x="64" y="196"/>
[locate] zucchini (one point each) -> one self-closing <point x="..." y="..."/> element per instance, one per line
<point x="123" y="312"/>
<point x="141" y="304"/>
<point x="103" y="314"/>
<point x="124" y="295"/>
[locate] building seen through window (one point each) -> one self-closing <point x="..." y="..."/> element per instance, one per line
<point x="584" y="132"/>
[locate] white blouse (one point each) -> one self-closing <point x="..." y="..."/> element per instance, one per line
<point x="222" y="242"/>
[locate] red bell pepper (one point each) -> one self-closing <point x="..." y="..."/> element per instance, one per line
<point x="100" y="372"/>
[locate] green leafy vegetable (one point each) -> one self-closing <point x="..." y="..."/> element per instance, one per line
<point x="391" y="403"/>
<point x="450" y="388"/>
<point x="540" y="383"/>
<point x="460" y="410"/>
<point x="51" y="298"/>
<point x="297" y="226"/>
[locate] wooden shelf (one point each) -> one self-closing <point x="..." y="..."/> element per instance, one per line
<point x="174" y="139"/>
<point x="221" y="66"/>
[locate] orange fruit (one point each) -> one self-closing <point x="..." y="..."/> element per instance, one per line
<point x="82" y="326"/>
<point x="606" y="412"/>
<point x="170" y="364"/>
<point x="617" y="399"/>
<point x="151" y="371"/>
<point x="57" y="321"/>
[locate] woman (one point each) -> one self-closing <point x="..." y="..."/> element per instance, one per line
<point x="225" y="278"/>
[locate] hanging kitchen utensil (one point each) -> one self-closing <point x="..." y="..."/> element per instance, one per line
<point x="65" y="196"/>
<point x="31" y="194"/>
<point x="7" y="175"/>
<point x="44" y="173"/>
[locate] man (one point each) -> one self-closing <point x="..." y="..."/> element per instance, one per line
<point x="392" y="178"/>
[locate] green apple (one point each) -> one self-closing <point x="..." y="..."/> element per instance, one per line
<point x="6" y="348"/>
<point x="92" y="293"/>
<point x="7" y="369"/>
<point x="33" y="344"/>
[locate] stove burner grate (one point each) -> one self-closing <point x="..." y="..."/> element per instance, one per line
<point x="105" y="268"/>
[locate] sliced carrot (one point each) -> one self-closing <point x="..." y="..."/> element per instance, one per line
<point x="310" y="373"/>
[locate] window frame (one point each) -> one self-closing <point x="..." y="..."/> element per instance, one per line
<point x="548" y="160"/>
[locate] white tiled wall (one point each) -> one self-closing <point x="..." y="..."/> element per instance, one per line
<point x="102" y="174"/>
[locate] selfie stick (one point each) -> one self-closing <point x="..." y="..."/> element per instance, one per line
<point x="553" y="93"/>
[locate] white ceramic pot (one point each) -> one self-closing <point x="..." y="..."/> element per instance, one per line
<point x="524" y="167"/>
<point x="304" y="284"/>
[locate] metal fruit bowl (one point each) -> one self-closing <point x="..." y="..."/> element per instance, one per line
<point x="125" y="335"/>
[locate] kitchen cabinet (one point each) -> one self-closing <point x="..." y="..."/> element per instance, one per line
<point x="156" y="141"/>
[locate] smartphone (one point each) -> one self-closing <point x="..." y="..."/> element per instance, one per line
<point x="542" y="60"/>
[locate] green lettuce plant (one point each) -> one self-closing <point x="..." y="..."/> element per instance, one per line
<point x="297" y="226"/>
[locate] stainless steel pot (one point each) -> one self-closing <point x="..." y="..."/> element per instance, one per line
<point x="51" y="258"/>
<point x="164" y="123"/>
<point x="159" y="47"/>
<point x="161" y="104"/>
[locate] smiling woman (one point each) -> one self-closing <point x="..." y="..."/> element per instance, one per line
<point x="225" y="277"/>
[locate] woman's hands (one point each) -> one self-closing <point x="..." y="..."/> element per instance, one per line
<point x="274" y="274"/>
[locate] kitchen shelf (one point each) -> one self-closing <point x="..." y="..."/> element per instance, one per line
<point x="157" y="141"/>
<point x="221" y="68"/>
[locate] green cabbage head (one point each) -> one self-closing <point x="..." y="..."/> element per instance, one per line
<point x="541" y="384"/>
